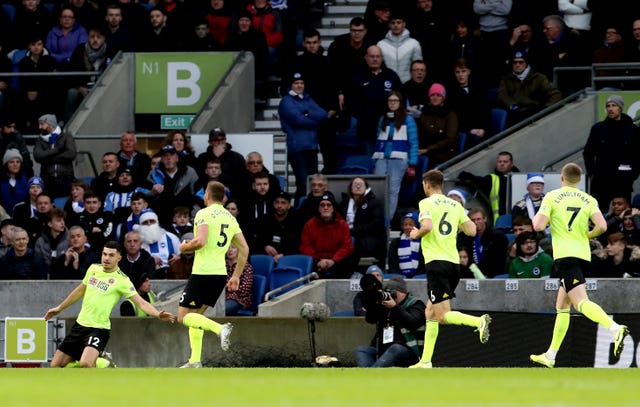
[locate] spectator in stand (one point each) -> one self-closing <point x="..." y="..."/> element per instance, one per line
<point x="365" y="216"/>
<point x="36" y="224"/>
<point x="308" y="206"/>
<point x="327" y="239"/>
<point x="8" y="92"/>
<point x="315" y="68"/>
<point x="234" y="168"/>
<point x="182" y="267"/>
<point x="346" y="54"/>
<point x="610" y="157"/>
<point x="11" y="138"/>
<point x="396" y="151"/>
<point x="521" y="39"/>
<point x="617" y="259"/>
<point x="36" y="93"/>
<point x="97" y="224"/>
<point x="173" y="185"/>
<point x="64" y="38"/>
<point x="130" y="157"/>
<point x="128" y="308"/>
<point x="73" y="263"/>
<point x="366" y="99"/>
<point x="399" y="50"/>
<point x="577" y="15"/>
<point x="530" y="204"/>
<point x="55" y="151"/>
<point x="614" y="216"/>
<point x="200" y="39"/>
<point x="220" y="19"/>
<point x="26" y="209"/>
<point x="523" y="224"/>
<point x="610" y="51"/>
<point x="159" y="37"/>
<point x="264" y="18"/>
<point x="488" y="248"/>
<point x="212" y="172"/>
<point x="53" y="240"/>
<point x="135" y="17"/>
<point x="255" y="165"/>
<point x="240" y="298"/>
<point x="136" y="261"/>
<point x="20" y="263"/>
<point x="494" y="185"/>
<point x="6" y="229"/>
<point x="258" y="206"/>
<point x="438" y="128"/>
<point x="405" y="254"/>
<point x="163" y="246"/>
<point x="107" y="180"/>
<point x="632" y="53"/>
<point x="376" y="19"/>
<point x="117" y="35"/>
<point x="524" y="92"/>
<point x="181" y="224"/>
<point x="182" y="143"/>
<point x="429" y="24"/>
<point x="416" y="89"/>
<point x="300" y="117"/>
<point x="92" y="56"/>
<point x="493" y="18"/>
<point x="468" y="99"/>
<point x="279" y="232"/>
<point x="118" y="201"/>
<point x="74" y="205"/>
<point x="531" y="260"/>
<point x="86" y="12"/>
<point x="464" y="44"/>
<point x="631" y="226"/>
<point x="31" y="19"/>
<point x="179" y="15"/>
<point x="14" y="186"/>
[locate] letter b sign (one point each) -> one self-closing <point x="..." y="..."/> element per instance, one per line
<point x="25" y="340"/>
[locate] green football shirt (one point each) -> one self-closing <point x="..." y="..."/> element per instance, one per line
<point x="446" y="216"/>
<point x="210" y="258"/>
<point x="569" y="210"/>
<point x="103" y="292"/>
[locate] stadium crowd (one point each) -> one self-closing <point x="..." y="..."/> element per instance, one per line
<point x="405" y="80"/>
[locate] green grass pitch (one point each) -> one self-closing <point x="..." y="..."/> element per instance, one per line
<point x="320" y="387"/>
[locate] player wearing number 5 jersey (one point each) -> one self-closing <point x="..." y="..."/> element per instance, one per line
<point x="569" y="210"/>
<point x="214" y="230"/>
<point x="440" y="218"/>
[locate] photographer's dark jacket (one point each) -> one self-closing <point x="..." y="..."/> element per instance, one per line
<point x="407" y="319"/>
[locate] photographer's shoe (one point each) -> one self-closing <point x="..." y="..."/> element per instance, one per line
<point x="483" y="330"/>
<point x="618" y="340"/>
<point x="543" y="360"/>
<point x="422" y="365"/>
<point x="225" y="336"/>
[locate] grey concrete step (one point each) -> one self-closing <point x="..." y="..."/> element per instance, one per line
<point x="354" y="10"/>
<point x="331" y="33"/>
<point x="330" y="21"/>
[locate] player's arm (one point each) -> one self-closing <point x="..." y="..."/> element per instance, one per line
<point x="243" y="254"/>
<point x="425" y="227"/>
<point x="150" y="309"/>
<point x="600" y="225"/>
<point x="540" y="222"/>
<point x="198" y="241"/>
<point x="73" y="296"/>
<point x="468" y="228"/>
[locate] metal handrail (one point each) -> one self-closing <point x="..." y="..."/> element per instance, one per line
<point x="563" y="157"/>
<point x="309" y="277"/>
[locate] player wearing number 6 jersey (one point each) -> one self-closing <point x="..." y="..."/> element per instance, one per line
<point x="214" y="230"/>
<point x="569" y="210"/>
<point x="440" y="218"/>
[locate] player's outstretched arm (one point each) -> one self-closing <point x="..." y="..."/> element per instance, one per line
<point x="151" y="310"/>
<point x="73" y="296"/>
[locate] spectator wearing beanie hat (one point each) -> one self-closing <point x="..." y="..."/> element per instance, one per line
<point x="14" y="186"/>
<point x="438" y="128"/>
<point x="55" y="151"/>
<point x="405" y="254"/>
<point x="11" y="138"/>
<point x="530" y="204"/>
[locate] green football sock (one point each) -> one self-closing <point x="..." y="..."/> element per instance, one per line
<point x="459" y="318"/>
<point x="595" y="313"/>
<point x="430" y="337"/>
<point x="560" y="328"/>
<point x="199" y="321"/>
<point x="102" y="363"/>
<point x="195" y="340"/>
<point x="72" y="365"/>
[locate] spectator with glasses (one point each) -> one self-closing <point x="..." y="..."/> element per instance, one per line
<point x="530" y="261"/>
<point x="255" y="165"/>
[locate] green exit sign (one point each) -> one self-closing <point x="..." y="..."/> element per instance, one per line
<point x="172" y="121"/>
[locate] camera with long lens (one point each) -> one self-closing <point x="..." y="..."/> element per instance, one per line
<point x="373" y="291"/>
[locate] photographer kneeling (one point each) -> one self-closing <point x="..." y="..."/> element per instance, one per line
<point x="400" y="322"/>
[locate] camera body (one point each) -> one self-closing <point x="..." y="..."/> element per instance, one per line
<point x="386" y="295"/>
<point x="373" y="291"/>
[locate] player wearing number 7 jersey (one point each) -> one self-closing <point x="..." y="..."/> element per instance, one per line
<point x="214" y="230"/>
<point x="440" y="218"/>
<point x="569" y="210"/>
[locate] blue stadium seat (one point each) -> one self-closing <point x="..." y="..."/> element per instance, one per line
<point x="343" y="314"/>
<point x="284" y="275"/>
<point x="462" y="137"/>
<point x="262" y="264"/>
<point x="60" y="201"/>
<point x="635" y="201"/>
<point x="498" y="120"/>
<point x="257" y="293"/>
<point x="282" y="182"/>
<point x="49" y="6"/>
<point x="501" y="276"/>
<point x="301" y="261"/>
<point x="356" y="165"/>
<point x="420" y="277"/>
<point x="504" y="223"/>
<point x="299" y="201"/>
<point x="10" y="10"/>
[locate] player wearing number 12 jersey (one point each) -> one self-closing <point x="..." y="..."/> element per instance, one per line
<point x="569" y="210"/>
<point x="215" y="229"/>
<point x="440" y="218"/>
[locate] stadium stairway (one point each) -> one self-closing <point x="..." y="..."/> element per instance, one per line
<point x="334" y="22"/>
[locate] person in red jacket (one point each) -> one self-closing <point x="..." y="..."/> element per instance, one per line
<point x="264" y="18"/>
<point x="327" y="239"/>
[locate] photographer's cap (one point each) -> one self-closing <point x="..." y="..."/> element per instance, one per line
<point x="397" y="283"/>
